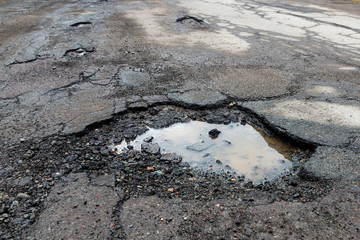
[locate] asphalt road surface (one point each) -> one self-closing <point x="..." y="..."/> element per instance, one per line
<point x="79" y="76"/>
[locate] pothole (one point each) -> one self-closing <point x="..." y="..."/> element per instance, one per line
<point x="191" y="22"/>
<point x="31" y="168"/>
<point x="78" y="52"/>
<point x="235" y="148"/>
<point x="80" y="24"/>
<point x="189" y="19"/>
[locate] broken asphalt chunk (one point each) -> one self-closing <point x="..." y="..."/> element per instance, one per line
<point x="152" y="148"/>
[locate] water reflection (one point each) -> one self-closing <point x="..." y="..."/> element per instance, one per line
<point x="242" y="149"/>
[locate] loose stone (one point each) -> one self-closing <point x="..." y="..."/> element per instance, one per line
<point x="22" y="196"/>
<point x="200" y="146"/>
<point x="214" y="133"/>
<point x="152" y="148"/>
<point x="148" y="139"/>
<point x="171" y="157"/>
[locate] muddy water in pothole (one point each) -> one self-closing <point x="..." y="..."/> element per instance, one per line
<point x="241" y="149"/>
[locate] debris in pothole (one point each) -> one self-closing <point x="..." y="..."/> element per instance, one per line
<point x="173" y="157"/>
<point x="199" y="146"/>
<point x="148" y="139"/>
<point x="152" y="148"/>
<point x="214" y="133"/>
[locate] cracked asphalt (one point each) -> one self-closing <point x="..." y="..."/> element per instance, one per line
<point x="78" y="76"/>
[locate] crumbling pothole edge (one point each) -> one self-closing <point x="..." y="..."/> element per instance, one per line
<point x="279" y="131"/>
<point x="252" y="117"/>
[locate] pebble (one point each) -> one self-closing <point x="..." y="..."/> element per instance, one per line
<point x="152" y="148"/>
<point x="214" y="133"/>
<point x="171" y="157"/>
<point x="159" y="173"/>
<point x="148" y="139"/>
<point x="293" y="183"/>
<point x="150" y="169"/>
<point x="200" y="146"/>
<point x="24" y="181"/>
<point x="104" y="152"/>
<point x="14" y="204"/>
<point x="22" y="196"/>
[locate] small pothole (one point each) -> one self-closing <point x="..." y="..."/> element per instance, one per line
<point x="80" y="24"/>
<point x="78" y="52"/>
<point x="234" y="148"/>
<point x="188" y="18"/>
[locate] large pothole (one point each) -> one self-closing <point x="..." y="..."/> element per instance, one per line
<point x="30" y="169"/>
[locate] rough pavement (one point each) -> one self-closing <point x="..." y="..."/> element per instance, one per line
<point x="70" y="67"/>
<point x="77" y="209"/>
<point x="257" y="221"/>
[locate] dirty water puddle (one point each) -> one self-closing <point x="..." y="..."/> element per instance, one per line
<point x="233" y="148"/>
